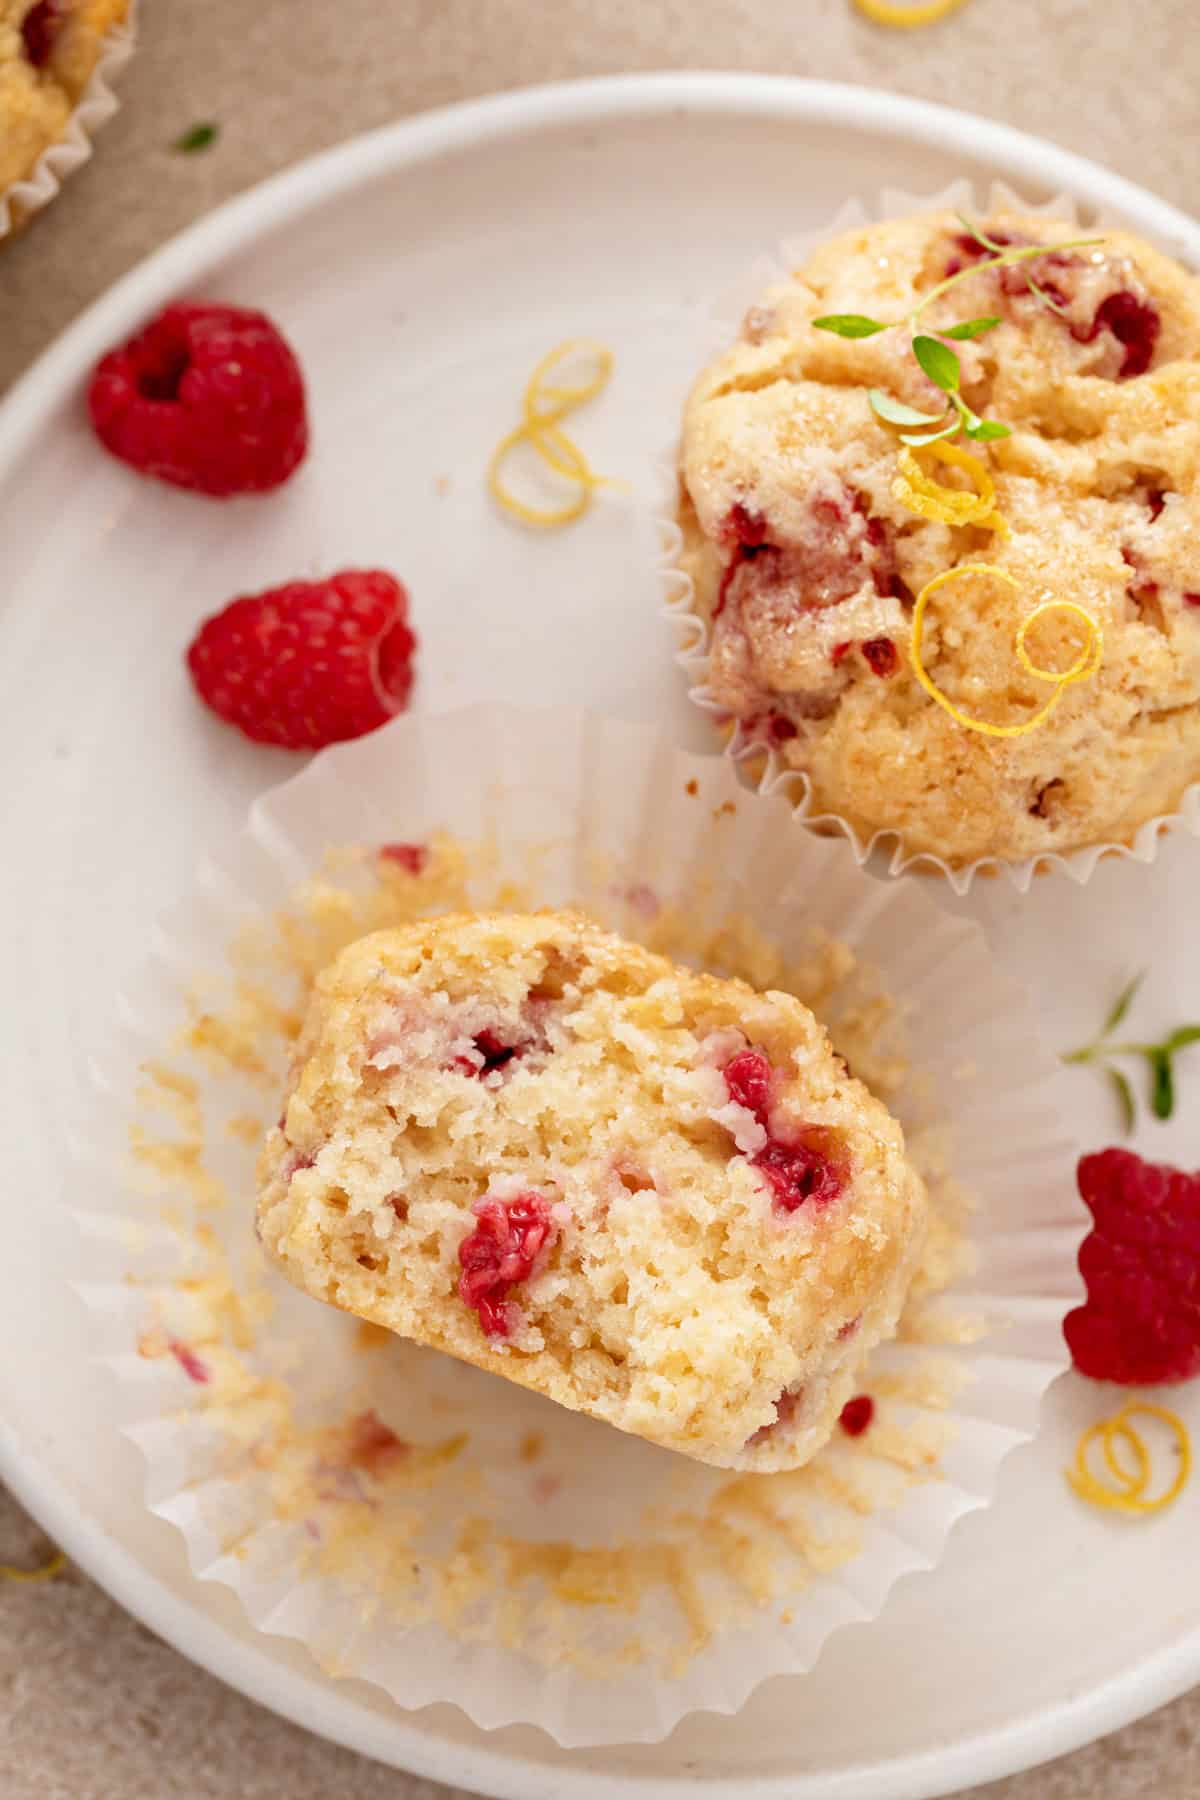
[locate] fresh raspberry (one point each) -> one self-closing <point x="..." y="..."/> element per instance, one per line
<point x="40" y="28"/>
<point x="205" y="397"/>
<point x="310" y="663"/>
<point x="500" y="1253"/>
<point x="881" y="656"/>
<point x="856" y="1415"/>
<point x="806" y="1170"/>
<point x="412" y="858"/>
<point x="1140" y="1324"/>
<point x="748" y="1079"/>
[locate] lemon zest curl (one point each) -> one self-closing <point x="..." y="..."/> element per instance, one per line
<point x="907" y="18"/>
<point x="927" y="498"/>
<point x="1127" y="1490"/>
<point x="545" y="404"/>
<point x="47" y="1571"/>
<point x="1083" y="668"/>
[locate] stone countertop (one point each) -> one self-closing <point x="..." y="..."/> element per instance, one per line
<point x="92" y="1707"/>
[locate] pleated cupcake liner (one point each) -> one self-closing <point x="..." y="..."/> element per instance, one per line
<point x="444" y="1534"/>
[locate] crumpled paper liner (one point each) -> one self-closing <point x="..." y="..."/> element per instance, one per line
<point x="95" y="106"/>
<point x="444" y="1534"/>
<point x="886" y="847"/>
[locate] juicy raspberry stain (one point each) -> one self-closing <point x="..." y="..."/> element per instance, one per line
<point x="412" y="858"/>
<point x="748" y="1081"/>
<point x="501" y="1253"/>
<point x="40" y="28"/>
<point x="780" y="730"/>
<point x="857" y="1415"/>
<point x="800" y="1172"/>
<point x="204" y="397"/>
<point x="881" y="656"/>
<point x="311" y="663"/>
<point x="748" y="527"/>
<point x="1140" y="1324"/>
<point x="192" y="1365"/>
<point x="373" y="1445"/>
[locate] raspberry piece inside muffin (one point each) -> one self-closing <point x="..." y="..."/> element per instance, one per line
<point x="40" y="29"/>
<point x="500" y="1253"/>
<point x="807" y="1171"/>
<point x="1135" y="324"/>
<point x="654" y="1196"/>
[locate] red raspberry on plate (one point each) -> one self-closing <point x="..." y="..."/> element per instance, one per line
<point x="1140" y="1262"/>
<point x="205" y="397"/>
<point x="310" y="663"/>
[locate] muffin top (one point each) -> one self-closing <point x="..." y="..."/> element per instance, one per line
<point x="807" y="556"/>
<point x="48" y="50"/>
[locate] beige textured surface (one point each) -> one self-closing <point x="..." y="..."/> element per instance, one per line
<point x="91" y="1706"/>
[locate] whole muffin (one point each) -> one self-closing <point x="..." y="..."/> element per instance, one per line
<point x="48" y="52"/>
<point x="806" y="560"/>
<point x="653" y="1196"/>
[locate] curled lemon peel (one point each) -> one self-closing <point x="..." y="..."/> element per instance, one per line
<point x="1129" y="1495"/>
<point x="1082" y="669"/>
<point x="47" y="1571"/>
<point x="544" y="405"/>
<point x="907" y="18"/>
<point x="927" y="498"/>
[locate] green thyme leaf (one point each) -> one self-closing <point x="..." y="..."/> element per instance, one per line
<point x="986" y="431"/>
<point x="201" y="136"/>
<point x="970" y="328"/>
<point x="1124" y="1098"/>
<point x="1186" y="1034"/>
<point x="917" y="438"/>
<point x="1162" y="1092"/>
<point x="895" y="411"/>
<point x="849" y="325"/>
<point x="941" y="365"/>
<point x="1122" y="1004"/>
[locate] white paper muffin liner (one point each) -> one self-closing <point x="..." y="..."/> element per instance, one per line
<point x="95" y="106"/>
<point x="885" y="847"/>
<point x="575" y="808"/>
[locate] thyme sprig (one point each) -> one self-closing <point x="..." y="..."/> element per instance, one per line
<point x="1159" y="1058"/>
<point x="933" y="354"/>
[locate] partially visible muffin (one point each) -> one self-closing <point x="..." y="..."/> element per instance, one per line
<point x="806" y="564"/>
<point x="651" y="1195"/>
<point x="48" y="52"/>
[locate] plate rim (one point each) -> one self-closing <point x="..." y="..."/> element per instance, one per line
<point x="310" y="1699"/>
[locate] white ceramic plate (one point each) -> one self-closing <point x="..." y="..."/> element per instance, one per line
<point x="420" y="272"/>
